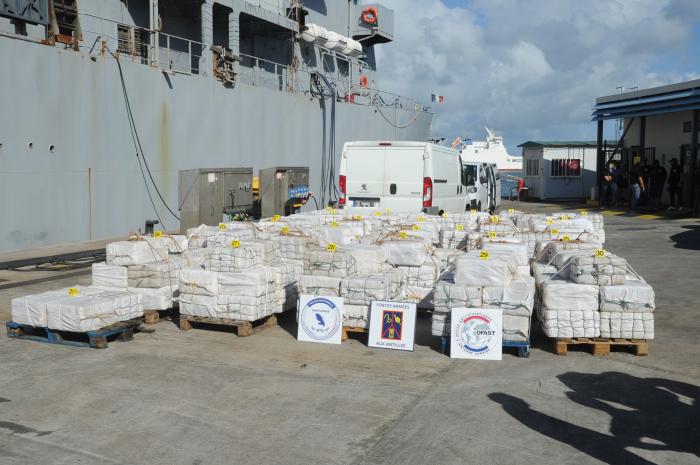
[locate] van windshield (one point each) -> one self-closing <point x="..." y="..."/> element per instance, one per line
<point x="470" y="174"/>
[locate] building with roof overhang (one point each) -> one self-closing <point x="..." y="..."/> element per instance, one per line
<point x="559" y="170"/>
<point x="659" y="123"/>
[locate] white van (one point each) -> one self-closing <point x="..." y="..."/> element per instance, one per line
<point x="402" y="176"/>
<point x="483" y="185"/>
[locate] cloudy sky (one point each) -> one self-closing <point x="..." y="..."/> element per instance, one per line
<point x="531" y="69"/>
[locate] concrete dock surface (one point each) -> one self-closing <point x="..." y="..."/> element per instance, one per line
<point x="206" y="397"/>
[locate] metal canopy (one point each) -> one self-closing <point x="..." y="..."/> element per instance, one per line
<point x="666" y="99"/>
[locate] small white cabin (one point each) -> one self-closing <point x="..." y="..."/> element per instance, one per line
<point x="558" y="170"/>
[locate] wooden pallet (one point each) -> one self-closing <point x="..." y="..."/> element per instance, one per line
<point x="351" y="329"/>
<point x="602" y="346"/>
<point x="98" y="339"/>
<point x="243" y="328"/>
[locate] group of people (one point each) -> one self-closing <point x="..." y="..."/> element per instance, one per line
<point x="645" y="185"/>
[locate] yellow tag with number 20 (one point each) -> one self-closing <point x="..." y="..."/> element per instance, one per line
<point x="235" y="243"/>
<point x="331" y="247"/>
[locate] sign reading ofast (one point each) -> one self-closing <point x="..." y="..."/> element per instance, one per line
<point x="476" y="334"/>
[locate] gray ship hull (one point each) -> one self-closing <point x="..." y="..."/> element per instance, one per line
<point x="68" y="169"/>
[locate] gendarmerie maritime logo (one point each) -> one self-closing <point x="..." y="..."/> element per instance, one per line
<point x="476" y="334"/>
<point x="320" y="319"/>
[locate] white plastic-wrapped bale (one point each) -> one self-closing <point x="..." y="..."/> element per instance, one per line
<point x="627" y="325"/>
<point x="91" y="309"/>
<point x="607" y="270"/>
<point x="634" y="296"/>
<point x="497" y="247"/>
<point x="31" y="309"/>
<point x="517" y="299"/>
<point x="339" y="235"/>
<point x="516" y="328"/>
<point x="160" y="298"/>
<point x="196" y="281"/>
<point x="367" y="258"/>
<point x="421" y="276"/>
<point x="248" y="296"/>
<point x="569" y="309"/>
<point x="225" y="253"/>
<point x="198" y="238"/>
<point x="319" y="285"/>
<point x="472" y="270"/>
<point x="455" y="238"/>
<point x="448" y="256"/>
<point x="356" y="316"/>
<point x="321" y="262"/>
<point x="112" y="276"/>
<point x="157" y="274"/>
<point x="362" y="289"/>
<point x="292" y="246"/>
<point x="136" y="252"/>
<point x="440" y="324"/>
<point x="172" y="244"/>
<point x="407" y="252"/>
<point x="448" y="295"/>
<point x="499" y="228"/>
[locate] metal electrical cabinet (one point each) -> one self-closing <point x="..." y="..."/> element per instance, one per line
<point x="282" y="188"/>
<point x="204" y="194"/>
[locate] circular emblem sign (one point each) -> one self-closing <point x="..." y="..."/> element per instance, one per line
<point x="320" y="319"/>
<point x="476" y="334"/>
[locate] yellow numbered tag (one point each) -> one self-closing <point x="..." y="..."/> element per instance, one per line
<point x="330" y="209"/>
<point x="403" y="235"/>
<point x="445" y="215"/>
<point x="564" y="217"/>
<point x="484" y="255"/>
<point x="235" y="243"/>
<point x="600" y="253"/>
<point x="334" y="224"/>
<point x="459" y="227"/>
<point x="73" y="292"/>
<point x="554" y="231"/>
<point x="492" y="234"/>
<point x="511" y="210"/>
<point x="420" y="219"/>
<point x="158" y="234"/>
<point x="358" y="218"/>
<point x="550" y="220"/>
<point x="495" y="219"/>
<point x="415" y="227"/>
<point x="222" y="226"/>
<point x="284" y="230"/>
<point x="377" y="214"/>
<point x="275" y="218"/>
<point x="473" y="211"/>
<point x="387" y="211"/>
<point x="565" y="238"/>
<point x="331" y="247"/>
<point x="584" y="212"/>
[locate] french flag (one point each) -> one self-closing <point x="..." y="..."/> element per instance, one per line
<point x="437" y="98"/>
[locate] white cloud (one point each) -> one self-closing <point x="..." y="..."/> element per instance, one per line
<point x="531" y="69"/>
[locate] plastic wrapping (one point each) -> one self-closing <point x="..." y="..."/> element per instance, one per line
<point x="136" y="252"/>
<point x="408" y="252"/>
<point x="633" y="296"/>
<point x="104" y="275"/>
<point x="497" y="271"/>
<point x="627" y="325"/>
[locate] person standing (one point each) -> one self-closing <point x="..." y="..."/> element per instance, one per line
<point x="658" y="179"/>
<point x="608" y="189"/>
<point x="675" y="185"/>
<point x="637" y="183"/>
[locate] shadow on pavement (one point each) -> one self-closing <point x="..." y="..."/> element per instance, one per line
<point x="654" y="414"/>
<point x="689" y="239"/>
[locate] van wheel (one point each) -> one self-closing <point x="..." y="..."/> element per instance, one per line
<point x="478" y="206"/>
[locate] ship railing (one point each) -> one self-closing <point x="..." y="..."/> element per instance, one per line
<point x="171" y="52"/>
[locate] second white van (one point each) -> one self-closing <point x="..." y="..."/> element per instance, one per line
<point x="402" y="176"/>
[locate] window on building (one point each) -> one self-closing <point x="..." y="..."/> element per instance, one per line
<point x="565" y="167"/>
<point x="532" y="167"/>
<point x="687" y="126"/>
